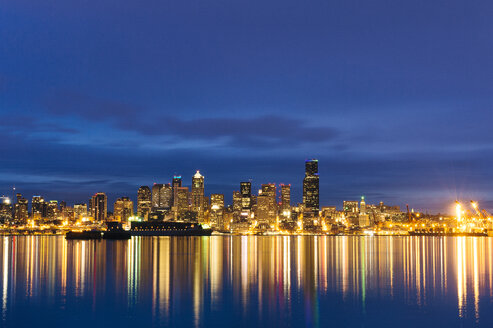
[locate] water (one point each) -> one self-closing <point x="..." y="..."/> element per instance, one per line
<point x="262" y="281"/>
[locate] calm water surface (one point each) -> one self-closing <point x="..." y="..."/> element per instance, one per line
<point x="247" y="282"/>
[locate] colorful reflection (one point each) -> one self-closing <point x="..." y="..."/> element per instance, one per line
<point x="306" y="281"/>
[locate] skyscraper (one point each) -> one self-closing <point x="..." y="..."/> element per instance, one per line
<point x="52" y="210"/>
<point x="37" y="205"/>
<point x="20" y="209"/>
<point x="175" y="185"/>
<point x="161" y="196"/>
<point x="99" y="206"/>
<point x="5" y="209"/>
<point x="217" y="211"/>
<point x="246" y="199"/>
<point x="266" y="204"/>
<point x="181" y="202"/>
<point x="311" y="190"/>
<point x="286" y="200"/>
<point x="198" y="195"/>
<point x="144" y="202"/>
<point x="123" y="209"/>
<point x="236" y="206"/>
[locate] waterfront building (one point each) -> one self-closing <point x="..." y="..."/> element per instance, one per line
<point x="162" y="196"/>
<point x="197" y="196"/>
<point x="175" y="185"/>
<point x="80" y="211"/>
<point x="236" y="206"/>
<point x="52" y="210"/>
<point x="123" y="209"/>
<point x="285" y="200"/>
<point x="217" y="211"/>
<point x="99" y="206"/>
<point x="266" y="205"/>
<point x="21" y="212"/>
<point x="37" y="207"/>
<point x="144" y="202"/>
<point x="246" y="200"/>
<point x="182" y="206"/>
<point x="362" y="205"/>
<point x="5" y="209"/>
<point x="311" y="182"/>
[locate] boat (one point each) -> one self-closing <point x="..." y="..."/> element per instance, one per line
<point x="87" y="234"/>
<point x="115" y="231"/>
<point x="166" y="228"/>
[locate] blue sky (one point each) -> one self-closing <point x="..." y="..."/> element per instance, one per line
<point x="393" y="97"/>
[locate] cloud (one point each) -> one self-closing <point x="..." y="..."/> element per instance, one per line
<point x="247" y="132"/>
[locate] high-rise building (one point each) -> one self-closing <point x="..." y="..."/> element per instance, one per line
<point x="217" y="211"/>
<point x="311" y="190"/>
<point x="5" y="209"/>
<point x="236" y="206"/>
<point x="144" y="202"/>
<point x="80" y="211"/>
<point x="362" y="208"/>
<point x="37" y="205"/>
<point x="266" y="204"/>
<point x="99" y="206"/>
<point x="21" y="209"/>
<point x="246" y="200"/>
<point x="123" y="209"/>
<point x="52" y="210"/>
<point x="286" y="200"/>
<point x="175" y="185"/>
<point x="198" y="195"/>
<point x="181" y="202"/>
<point x="161" y="196"/>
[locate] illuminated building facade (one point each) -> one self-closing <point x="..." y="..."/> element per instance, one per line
<point x="52" y="210"/>
<point x="266" y="204"/>
<point x="37" y="207"/>
<point x="162" y="196"/>
<point x="123" y="209"/>
<point x="5" y="209"/>
<point x="175" y="185"/>
<point x="99" y="206"/>
<point x="311" y="190"/>
<point x="246" y="200"/>
<point x="181" y="207"/>
<point x="217" y="211"/>
<point x="144" y="202"/>
<point x="80" y="211"/>
<point x="236" y="206"/>
<point x="198" y="195"/>
<point x="21" y="212"/>
<point x="286" y="200"/>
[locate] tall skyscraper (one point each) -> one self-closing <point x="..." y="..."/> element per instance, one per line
<point x="21" y="209"/>
<point x="123" y="209"/>
<point x="198" y="195"/>
<point x="37" y="205"/>
<point x="362" y="208"/>
<point x="236" y="206"/>
<point x="52" y="210"/>
<point x="311" y="190"/>
<point x="286" y="200"/>
<point x="217" y="211"/>
<point x="175" y="185"/>
<point x="246" y="199"/>
<point x="144" y="202"/>
<point x="99" y="206"/>
<point x="266" y="204"/>
<point x="181" y="202"/>
<point x="161" y="196"/>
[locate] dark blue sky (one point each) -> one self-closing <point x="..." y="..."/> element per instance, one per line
<point x="393" y="97"/>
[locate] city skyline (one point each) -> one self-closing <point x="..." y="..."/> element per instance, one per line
<point x="394" y="100"/>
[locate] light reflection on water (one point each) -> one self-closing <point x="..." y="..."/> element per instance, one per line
<point x="247" y="281"/>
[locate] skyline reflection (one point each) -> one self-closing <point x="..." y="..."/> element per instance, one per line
<point x="247" y="280"/>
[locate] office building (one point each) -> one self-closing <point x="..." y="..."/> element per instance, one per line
<point x="144" y="202"/>
<point x="197" y="196"/>
<point x="311" y="191"/>
<point x="123" y="209"/>
<point x="99" y="206"/>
